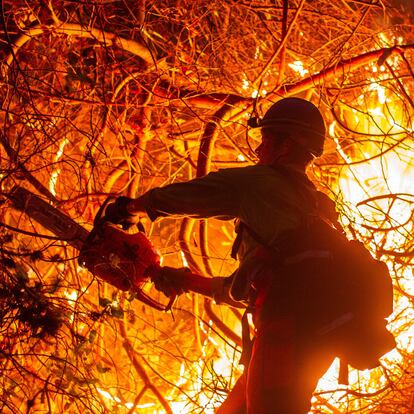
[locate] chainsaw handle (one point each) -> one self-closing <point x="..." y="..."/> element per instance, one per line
<point x="100" y="215"/>
<point x="148" y="300"/>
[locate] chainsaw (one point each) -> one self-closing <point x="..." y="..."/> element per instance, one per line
<point x="126" y="261"/>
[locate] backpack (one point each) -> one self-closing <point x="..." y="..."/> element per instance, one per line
<point x="335" y="288"/>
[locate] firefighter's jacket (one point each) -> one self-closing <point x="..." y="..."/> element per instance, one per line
<point x="268" y="200"/>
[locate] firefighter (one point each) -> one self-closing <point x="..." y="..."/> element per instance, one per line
<point x="266" y="199"/>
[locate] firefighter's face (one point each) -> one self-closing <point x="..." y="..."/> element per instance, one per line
<point x="271" y="149"/>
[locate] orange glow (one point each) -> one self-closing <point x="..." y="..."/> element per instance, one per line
<point x="106" y="99"/>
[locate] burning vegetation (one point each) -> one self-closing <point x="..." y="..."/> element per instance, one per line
<point x="114" y="97"/>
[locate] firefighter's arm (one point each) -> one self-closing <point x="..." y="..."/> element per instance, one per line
<point x="126" y="211"/>
<point x="138" y="206"/>
<point x="172" y="280"/>
<point x="214" y="195"/>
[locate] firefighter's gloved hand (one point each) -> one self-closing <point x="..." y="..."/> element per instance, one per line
<point x="118" y="213"/>
<point x="171" y="281"/>
<point x="221" y="292"/>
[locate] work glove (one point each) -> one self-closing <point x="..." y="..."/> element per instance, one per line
<point x="117" y="213"/>
<point x="171" y="281"/>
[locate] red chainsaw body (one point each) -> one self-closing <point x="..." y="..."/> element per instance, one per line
<point x="124" y="260"/>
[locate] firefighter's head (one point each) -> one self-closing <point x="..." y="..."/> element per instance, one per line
<point x="293" y="130"/>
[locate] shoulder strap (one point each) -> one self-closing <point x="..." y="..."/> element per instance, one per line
<point x="324" y="209"/>
<point x="237" y="242"/>
<point x="254" y="235"/>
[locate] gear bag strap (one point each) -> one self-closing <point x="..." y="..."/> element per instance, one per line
<point x="247" y="341"/>
<point x="237" y="241"/>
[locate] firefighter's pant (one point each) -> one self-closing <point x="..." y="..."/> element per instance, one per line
<point x="283" y="372"/>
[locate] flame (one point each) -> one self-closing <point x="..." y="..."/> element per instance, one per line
<point x="193" y="382"/>
<point x="298" y="66"/>
<point x="117" y="401"/>
<point x="246" y="85"/>
<point x="378" y="194"/>
<point x="72" y="297"/>
<point x="54" y="175"/>
<point x="183" y="259"/>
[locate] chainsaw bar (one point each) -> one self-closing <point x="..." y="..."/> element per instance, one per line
<point x="66" y="229"/>
<point x="49" y="216"/>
